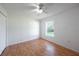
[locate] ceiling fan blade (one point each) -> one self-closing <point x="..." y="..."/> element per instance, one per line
<point x="44" y="11"/>
<point x="39" y="7"/>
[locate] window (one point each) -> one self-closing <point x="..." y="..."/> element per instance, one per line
<point x="49" y="28"/>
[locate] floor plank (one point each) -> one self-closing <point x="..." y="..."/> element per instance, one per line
<point x="39" y="47"/>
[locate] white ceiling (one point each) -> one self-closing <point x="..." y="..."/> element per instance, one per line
<point x="50" y="8"/>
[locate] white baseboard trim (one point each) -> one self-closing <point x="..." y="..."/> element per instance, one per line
<point x="17" y="42"/>
<point x="59" y="44"/>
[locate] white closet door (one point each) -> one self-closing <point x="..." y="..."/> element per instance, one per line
<point x="2" y="33"/>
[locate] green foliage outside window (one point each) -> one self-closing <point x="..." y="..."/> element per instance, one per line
<point x="50" y="29"/>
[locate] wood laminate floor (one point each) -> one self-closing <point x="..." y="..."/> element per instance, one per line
<point x="39" y="47"/>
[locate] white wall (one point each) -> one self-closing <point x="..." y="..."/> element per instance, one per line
<point x="20" y="28"/>
<point x="66" y="28"/>
<point x="2" y="29"/>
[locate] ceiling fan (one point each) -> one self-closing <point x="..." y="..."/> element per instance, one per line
<point x="40" y="8"/>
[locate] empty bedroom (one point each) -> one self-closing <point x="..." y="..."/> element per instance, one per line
<point x="39" y="29"/>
